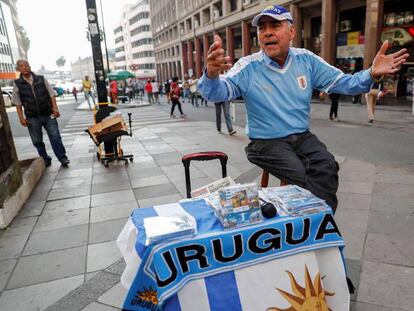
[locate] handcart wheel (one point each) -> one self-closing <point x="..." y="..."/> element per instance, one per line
<point x="106" y="164"/>
<point x="131" y="159"/>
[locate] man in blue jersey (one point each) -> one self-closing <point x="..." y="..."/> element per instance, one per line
<point x="276" y="84"/>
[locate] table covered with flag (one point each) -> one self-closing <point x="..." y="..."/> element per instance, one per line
<point x="284" y="263"/>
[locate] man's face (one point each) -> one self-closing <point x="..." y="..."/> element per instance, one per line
<point x="275" y="36"/>
<point x="23" y="67"/>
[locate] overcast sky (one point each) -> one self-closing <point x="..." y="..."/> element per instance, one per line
<point x="58" y="28"/>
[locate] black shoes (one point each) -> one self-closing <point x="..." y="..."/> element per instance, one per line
<point x="65" y="162"/>
<point x="232" y="132"/>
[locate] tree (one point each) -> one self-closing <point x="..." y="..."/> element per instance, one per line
<point x="60" y="62"/>
<point x="25" y="41"/>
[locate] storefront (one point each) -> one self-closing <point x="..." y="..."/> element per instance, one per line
<point x="398" y="29"/>
<point x="350" y="40"/>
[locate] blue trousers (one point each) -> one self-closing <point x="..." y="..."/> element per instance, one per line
<point x="52" y="130"/>
<point x="88" y="96"/>
<point x="300" y="159"/>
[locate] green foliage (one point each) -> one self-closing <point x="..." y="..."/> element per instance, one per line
<point x="60" y="62"/>
<point x="25" y="40"/>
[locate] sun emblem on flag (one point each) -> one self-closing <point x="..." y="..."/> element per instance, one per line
<point x="149" y="295"/>
<point x="308" y="298"/>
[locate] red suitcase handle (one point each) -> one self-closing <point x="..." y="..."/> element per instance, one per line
<point x="203" y="156"/>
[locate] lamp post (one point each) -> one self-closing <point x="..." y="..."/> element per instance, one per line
<point x="104" y="37"/>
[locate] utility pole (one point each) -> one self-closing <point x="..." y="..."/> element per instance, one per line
<point x="104" y="37"/>
<point x="95" y="36"/>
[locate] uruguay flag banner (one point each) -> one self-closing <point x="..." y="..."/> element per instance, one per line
<point x="285" y="263"/>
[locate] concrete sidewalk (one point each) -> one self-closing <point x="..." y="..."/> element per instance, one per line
<point x="60" y="253"/>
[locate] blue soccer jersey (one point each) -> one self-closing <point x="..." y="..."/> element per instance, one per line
<point x="278" y="99"/>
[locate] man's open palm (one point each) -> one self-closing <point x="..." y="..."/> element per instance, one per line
<point x="217" y="62"/>
<point x="388" y="64"/>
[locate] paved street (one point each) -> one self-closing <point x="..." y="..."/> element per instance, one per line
<point x="60" y="253"/>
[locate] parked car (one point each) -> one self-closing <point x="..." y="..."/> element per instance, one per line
<point x="397" y="37"/>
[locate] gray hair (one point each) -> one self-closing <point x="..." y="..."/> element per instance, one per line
<point x="22" y="60"/>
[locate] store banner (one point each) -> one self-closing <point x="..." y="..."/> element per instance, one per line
<point x="353" y="38"/>
<point x="350" y="51"/>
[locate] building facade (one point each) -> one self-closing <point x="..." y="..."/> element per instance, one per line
<point x="84" y="66"/>
<point x="347" y="34"/>
<point x="134" y="50"/>
<point x="10" y="40"/>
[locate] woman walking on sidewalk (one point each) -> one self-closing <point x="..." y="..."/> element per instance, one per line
<point x="175" y="98"/>
<point x="371" y="98"/>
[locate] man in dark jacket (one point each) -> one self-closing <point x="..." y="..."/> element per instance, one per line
<point x="35" y="95"/>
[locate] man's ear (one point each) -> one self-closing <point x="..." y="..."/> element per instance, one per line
<point x="292" y="32"/>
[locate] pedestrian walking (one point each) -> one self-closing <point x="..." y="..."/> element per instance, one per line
<point x="167" y="91"/>
<point x="225" y="106"/>
<point x="186" y="91"/>
<point x="113" y="91"/>
<point x="333" y="113"/>
<point x="75" y="93"/>
<point x="192" y="84"/>
<point x="371" y="98"/>
<point x="276" y="84"/>
<point x="155" y="91"/>
<point x="33" y="94"/>
<point x="148" y="90"/>
<point x="87" y="91"/>
<point x="175" y="93"/>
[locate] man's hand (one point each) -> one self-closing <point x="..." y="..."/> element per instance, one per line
<point x="24" y="122"/>
<point x="387" y="64"/>
<point x="216" y="61"/>
<point x="56" y="113"/>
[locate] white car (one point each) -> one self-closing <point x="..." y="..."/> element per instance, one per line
<point x="397" y="37"/>
<point x="7" y="96"/>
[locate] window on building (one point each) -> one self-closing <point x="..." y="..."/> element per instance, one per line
<point x="141" y="42"/>
<point x="232" y="5"/>
<point x="196" y="20"/>
<point x="182" y="28"/>
<point x="119" y="39"/>
<point x="143" y="54"/>
<point x="146" y="66"/>
<point x="119" y="29"/>
<point x="188" y="24"/>
<point x="217" y="9"/>
<point x="138" y="17"/>
<point x="206" y="15"/>
<point x="139" y="30"/>
<point x="119" y="49"/>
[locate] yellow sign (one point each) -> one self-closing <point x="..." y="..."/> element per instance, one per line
<point x="353" y="38"/>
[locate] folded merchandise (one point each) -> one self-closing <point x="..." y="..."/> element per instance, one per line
<point x="160" y="228"/>
<point x="294" y="200"/>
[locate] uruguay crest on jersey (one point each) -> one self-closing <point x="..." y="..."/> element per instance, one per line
<point x="302" y="82"/>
